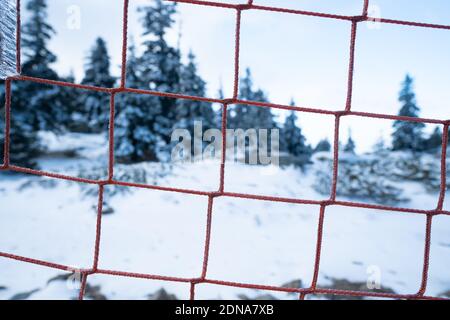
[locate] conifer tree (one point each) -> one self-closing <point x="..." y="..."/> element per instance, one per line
<point x="238" y="117"/>
<point x="189" y="111"/>
<point x="135" y="139"/>
<point x="162" y="62"/>
<point x="323" y="146"/>
<point x="434" y="141"/>
<point x="36" y="34"/>
<point x="293" y="141"/>
<point x="40" y="103"/>
<point x="408" y="135"/>
<point x="220" y="93"/>
<point x="36" y="106"/>
<point x="350" y="145"/>
<point x="97" y="73"/>
<point x="24" y="144"/>
<point x="380" y="146"/>
<point x="70" y="107"/>
<point x="250" y="117"/>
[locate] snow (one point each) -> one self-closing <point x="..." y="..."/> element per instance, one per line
<point x="157" y="232"/>
<point x="86" y="145"/>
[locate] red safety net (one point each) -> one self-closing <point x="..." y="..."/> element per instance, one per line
<point x="221" y="192"/>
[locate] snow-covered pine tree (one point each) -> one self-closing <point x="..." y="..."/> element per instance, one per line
<point x="189" y="111"/>
<point x="97" y="73"/>
<point x="379" y="147"/>
<point x="263" y="117"/>
<point x="293" y="141"/>
<point x="36" y="106"/>
<point x="323" y="146"/>
<point x="70" y="105"/>
<point x="245" y="117"/>
<point x="135" y="140"/>
<point x="162" y="62"/>
<point x="36" y="33"/>
<point x="238" y="114"/>
<point x="408" y="135"/>
<point x="220" y="92"/>
<point x="350" y="145"/>
<point x="24" y="147"/>
<point x="40" y="103"/>
<point x="434" y="141"/>
<point x="249" y="117"/>
<point x="218" y="113"/>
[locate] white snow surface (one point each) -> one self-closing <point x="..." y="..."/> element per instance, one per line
<point x="163" y="233"/>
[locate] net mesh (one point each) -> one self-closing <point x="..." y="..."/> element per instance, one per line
<point x="313" y="288"/>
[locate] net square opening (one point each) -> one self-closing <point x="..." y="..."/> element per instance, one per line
<point x="285" y="150"/>
<point x="381" y="71"/>
<point x="438" y="282"/>
<point x="63" y="138"/>
<point x="385" y="162"/>
<point x="272" y="243"/>
<point x="199" y="57"/>
<point x="167" y="142"/>
<point x="313" y="69"/>
<point x="162" y="234"/>
<point x="59" y="227"/>
<point x="357" y="252"/>
<point x="79" y="21"/>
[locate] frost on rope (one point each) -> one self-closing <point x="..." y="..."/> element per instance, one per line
<point x="7" y="39"/>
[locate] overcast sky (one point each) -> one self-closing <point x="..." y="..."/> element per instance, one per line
<point x="291" y="56"/>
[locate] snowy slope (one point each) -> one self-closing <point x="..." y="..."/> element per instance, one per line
<point x="163" y="233"/>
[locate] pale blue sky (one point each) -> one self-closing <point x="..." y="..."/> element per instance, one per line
<point x="305" y="58"/>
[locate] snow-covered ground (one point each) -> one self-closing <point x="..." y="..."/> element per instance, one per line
<point x="163" y="233"/>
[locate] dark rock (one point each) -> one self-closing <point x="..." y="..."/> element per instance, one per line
<point x="161" y="294"/>
<point x="23" y="295"/>
<point x="445" y="294"/>
<point x="258" y="297"/>
<point x="60" y="277"/>
<point x="94" y="292"/>
<point x="106" y="209"/>
<point x="344" y="284"/>
<point x="296" y="284"/>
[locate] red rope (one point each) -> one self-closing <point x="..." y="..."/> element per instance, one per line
<point x="124" y="44"/>
<point x="351" y="66"/>
<point x="203" y="279"/>
<point x="426" y="256"/>
<point x="99" y="227"/>
<point x="318" y="248"/>
<point x="236" y="53"/>
<point x="111" y="137"/>
<point x="365" y="8"/>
